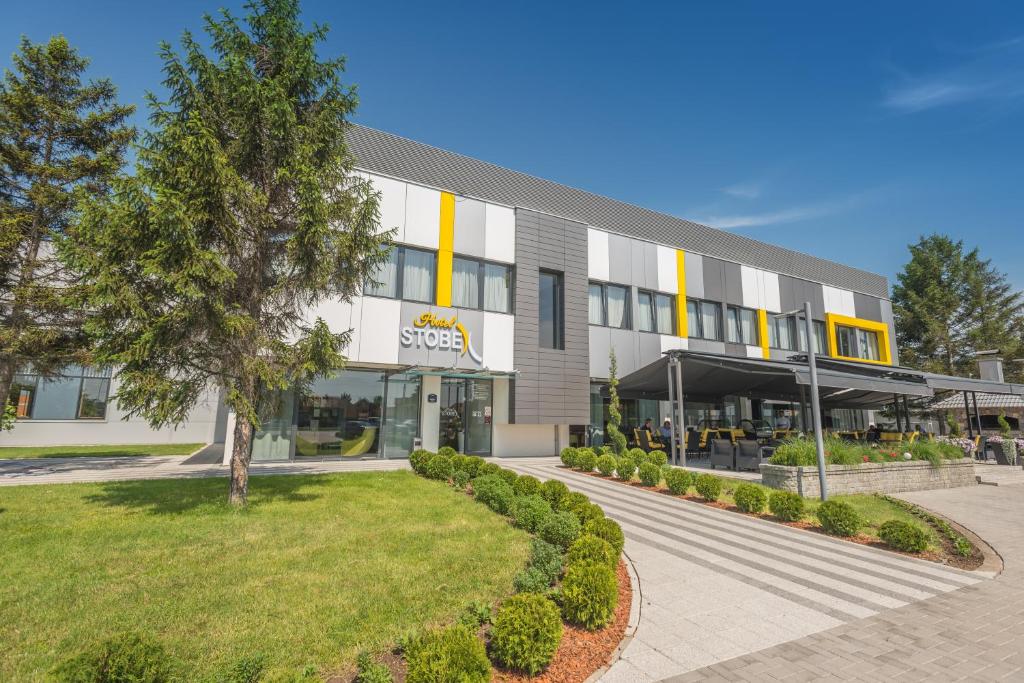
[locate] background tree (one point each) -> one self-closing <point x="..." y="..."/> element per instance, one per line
<point x="242" y="215"/>
<point x="949" y="304"/>
<point x="58" y="135"/>
<point x="617" y="438"/>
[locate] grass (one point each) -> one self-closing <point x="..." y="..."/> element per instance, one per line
<point x="25" y="452"/>
<point x="316" y="569"/>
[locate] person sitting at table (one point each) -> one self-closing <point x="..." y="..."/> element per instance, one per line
<point x="873" y="433"/>
<point x="666" y="431"/>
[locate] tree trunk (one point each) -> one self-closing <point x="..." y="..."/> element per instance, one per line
<point x="241" y="452"/>
<point x="6" y="381"/>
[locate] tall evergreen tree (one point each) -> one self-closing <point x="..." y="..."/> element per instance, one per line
<point x="615" y="435"/>
<point x="59" y="135"/>
<point x="949" y="304"/>
<point x="243" y="214"/>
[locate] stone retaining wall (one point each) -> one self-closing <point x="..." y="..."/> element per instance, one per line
<point x="871" y="477"/>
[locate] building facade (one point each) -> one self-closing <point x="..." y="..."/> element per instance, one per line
<point x="491" y="326"/>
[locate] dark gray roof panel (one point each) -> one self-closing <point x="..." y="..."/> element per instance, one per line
<point x="393" y="155"/>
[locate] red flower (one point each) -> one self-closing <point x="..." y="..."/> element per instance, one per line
<point x="865" y="458"/>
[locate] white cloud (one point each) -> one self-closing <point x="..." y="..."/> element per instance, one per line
<point x="915" y="98"/>
<point x="744" y="190"/>
<point x="793" y="214"/>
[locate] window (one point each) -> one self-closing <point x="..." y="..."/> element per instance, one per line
<point x="741" y="325"/>
<point x="844" y="342"/>
<point x="704" y="319"/>
<point x="76" y="393"/>
<point x="608" y="305"/>
<point x="853" y="342"/>
<point x="476" y="284"/>
<point x="867" y="344"/>
<point x="790" y="334"/>
<point x="657" y="312"/>
<point x="407" y="274"/>
<point x="550" y="313"/>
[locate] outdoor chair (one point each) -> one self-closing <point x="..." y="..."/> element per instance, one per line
<point x="693" y="448"/>
<point x="722" y="454"/>
<point x="748" y="455"/>
<point x="647" y="442"/>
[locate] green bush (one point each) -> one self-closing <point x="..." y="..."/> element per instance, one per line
<point x="448" y="655"/>
<point x="459" y="462"/>
<point x="568" y="456"/>
<point x="650" y="474"/>
<point x="903" y="536"/>
<point x="587" y="512"/>
<point x="625" y="468"/>
<point x="590" y="548"/>
<point x="750" y="498"/>
<point x="370" y="671"/>
<point x="606" y="465"/>
<point x="526" y="633"/>
<point x="838" y="518"/>
<point x="708" y="486"/>
<point x="418" y="460"/>
<point x="546" y="558"/>
<point x="508" y="476"/>
<point x="528" y="512"/>
<point x="126" y="658"/>
<point x="472" y="465"/>
<point x="678" y="481"/>
<point x="609" y="530"/>
<point x="486" y="468"/>
<point x="572" y="500"/>
<point x="637" y="455"/>
<point x="589" y="593"/>
<point x="531" y="580"/>
<point x="560" y="529"/>
<point x="460" y="478"/>
<point x="527" y="486"/>
<point x="657" y="457"/>
<point x="586" y="459"/>
<point x="440" y="467"/>
<point x="786" y="505"/>
<point x="494" y="492"/>
<point x="553" y="491"/>
<point x="447" y="450"/>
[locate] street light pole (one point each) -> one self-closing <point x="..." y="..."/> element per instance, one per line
<point x="819" y="442"/>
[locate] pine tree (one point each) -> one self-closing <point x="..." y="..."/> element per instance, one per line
<point x="617" y="438"/>
<point x="59" y="135"/>
<point x="243" y="214"/>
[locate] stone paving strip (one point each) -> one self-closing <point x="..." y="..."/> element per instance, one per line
<point x="717" y="585"/>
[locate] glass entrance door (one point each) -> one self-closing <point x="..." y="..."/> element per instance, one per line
<point x="466" y="406"/>
<point x="453" y="408"/>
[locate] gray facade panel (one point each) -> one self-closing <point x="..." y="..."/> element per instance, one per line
<point x="714" y="279"/>
<point x="620" y="270"/>
<point x="469" y="227"/>
<point x="636" y="262"/>
<point x="649" y="348"/>
<point x="733" y="280"/>
<point x="694" y="276"/>
<point x="867" y="307"/>
<point x="886" y="316"/>
<point x="706" y="346"/>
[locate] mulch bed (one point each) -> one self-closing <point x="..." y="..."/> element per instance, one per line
<point x="583" y="652"/>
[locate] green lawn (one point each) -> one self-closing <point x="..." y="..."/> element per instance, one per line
<point x="23" y="452"/>
<point x="315" y="570"/>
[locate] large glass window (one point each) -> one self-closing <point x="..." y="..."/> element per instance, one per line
<point x="76" y="393"/>
<point x="340" y="415"/>
<point x="790" y="334"/>
<point x="853" y="342"/>
<point x="741" y="325"/>
<point x="401" y="415"/>
<point x="608" y="305"/>
<point x="656" y="312"/>
<point x="478" y="284"/>
<point x="704" y="319"/>
<point x="407" y="274"/>
<point x="550" y="314"/>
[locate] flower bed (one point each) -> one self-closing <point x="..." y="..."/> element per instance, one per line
<point x="803" y="452"/>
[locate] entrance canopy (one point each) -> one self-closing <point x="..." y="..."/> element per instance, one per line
<point x="708" y="376"/>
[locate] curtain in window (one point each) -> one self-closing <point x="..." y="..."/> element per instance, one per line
<point x="732" y="325"/>
<point x="693" y="319"/>
<point x="784" y="333"/>
<point x="386" y="278"/>
<point x="616" y="307"/>
<point x="465" y="283"/>
<point x="418" y="275"/>
<point x="663" y="311"/>
<point x="710" y="315"/>
<point x="868" y="345"/>
<point x="646" y="321"/>
<point x="595" y="305"/>
<point x="496" y="282"/>
<point x="748" y="329"/>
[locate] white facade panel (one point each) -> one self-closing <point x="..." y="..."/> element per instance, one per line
<point x="499" y="233"/>
<point x="668" y="279"/>
<point x="772" y="293"/>
<point x="750" y="281"/>
<point x="839" y="301"/>
<point x="511" y="440"/>
<point x="378" y="331"/>
<point x="498" y="335"/>
<point x="422" y="216"/>
<point x="392" y="204"/>
<point x="671" y="343"/>
<point x="755" y="352"/>
<point x="597" y="254"/>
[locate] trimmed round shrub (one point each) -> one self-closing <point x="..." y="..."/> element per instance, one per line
<point x="750" y="498"/>
<point x="553" y="491"/>
<point x="418" y="460"/>
<point x="508" y="476"/>
<point x="448" y="655"/>
<point x="440" y="467"/>
<point x="590" y="548"/>
<point x="903" y="536"/>
<point x="460" y="478"/>
<point x="528" y="512"/>
<point x="447" y="450"/>
<point x="573" y="500"/>
<point x="487" y="468"/>
<point x="708" y="487"/>
<point x="526" y="633"/>
<point x="130" y="657"/>
<point x="678" y="481"/>
<point x="472" y="465"/>
<point x="560" y="529"/>
<point x="531" y="580"/>
<point x="609" y="530"/>
<point x="650" y="474"/>
<point x="589" y="594"/>
<point x="568" y="456"/>
<point x="625" y="468"/>
<point x="657" y="457"/>
<point x="586" y="459"/>
<point x="606" y="465"/>
<point x="838" y="518"/>
<point x="546" y="558"/>
<point x="786" y="505"/>
<point x="459" y="462"/>
<point x="637" y="455"/>
<point x="587" y="512"/>
<point x="526" y="486"/>
<point x="492" y="491"/>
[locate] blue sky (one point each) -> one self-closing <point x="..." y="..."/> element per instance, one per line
<point x="842" y="131"/>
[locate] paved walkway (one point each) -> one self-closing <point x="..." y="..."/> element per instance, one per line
<point x="716" y="585"/>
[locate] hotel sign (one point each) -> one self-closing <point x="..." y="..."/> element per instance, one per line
<point x="439" y="334"/>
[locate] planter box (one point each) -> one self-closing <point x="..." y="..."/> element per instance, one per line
<point x="871" y="477"/>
